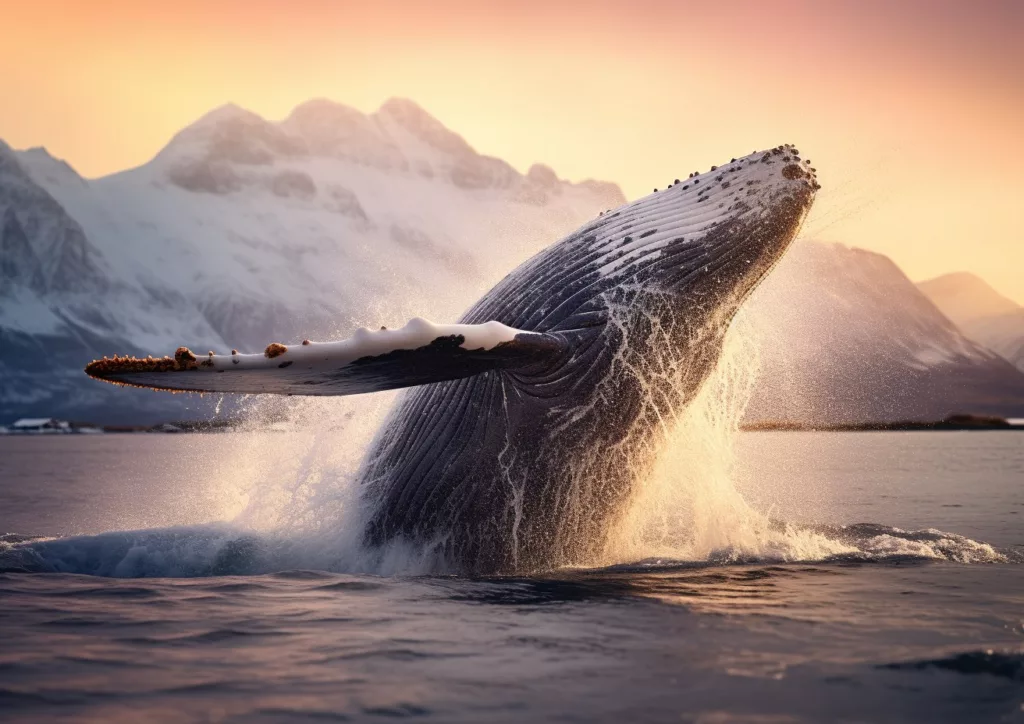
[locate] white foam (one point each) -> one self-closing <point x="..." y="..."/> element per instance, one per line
<point x="689" y="508"/>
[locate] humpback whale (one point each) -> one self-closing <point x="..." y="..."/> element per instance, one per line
<point x="531" y="422"/>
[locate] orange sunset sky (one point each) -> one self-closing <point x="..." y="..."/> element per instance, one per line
<point x="910" y="110"/>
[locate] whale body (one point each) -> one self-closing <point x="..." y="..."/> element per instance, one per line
<point x="533" y="420"/>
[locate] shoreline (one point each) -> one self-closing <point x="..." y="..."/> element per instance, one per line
<point x="955" y="423"/>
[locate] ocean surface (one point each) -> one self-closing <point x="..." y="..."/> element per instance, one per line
<point x="853" y="577"/>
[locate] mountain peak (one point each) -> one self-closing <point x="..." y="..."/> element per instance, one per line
<point x="542" y="175"/>
<point x="229" y="112"/>
<point x="404" y="108"/>
<point x="956" y="280"/>
<point x="9" y="160"/>
<point x="965" y="297"/>
<point x="414" y="119"/>
<point x="233" y="134"/>
<point x="40" y="163"/>
<point x="323" y="108"/>
<point x="231" y="147"/>
<point x="332" y="129"/>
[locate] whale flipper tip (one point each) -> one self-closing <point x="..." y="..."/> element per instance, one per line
<point x="369" y="361"/>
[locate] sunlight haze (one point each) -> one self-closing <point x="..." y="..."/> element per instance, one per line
<point x="911" y="112"/>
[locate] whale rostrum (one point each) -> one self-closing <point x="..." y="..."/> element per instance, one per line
<point x="532" y="421"/>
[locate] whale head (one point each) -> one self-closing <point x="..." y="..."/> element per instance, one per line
<point x="688" y="254"/>
<point x="710" y="237"/>
<point x="759" y="203"/>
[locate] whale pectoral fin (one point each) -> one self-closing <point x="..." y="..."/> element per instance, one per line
<point x="417" y="354"/>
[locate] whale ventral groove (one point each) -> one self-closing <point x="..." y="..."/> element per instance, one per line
<point x="530" y="424"/>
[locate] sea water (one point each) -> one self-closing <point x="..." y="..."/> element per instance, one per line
<point x="838" y="577"/>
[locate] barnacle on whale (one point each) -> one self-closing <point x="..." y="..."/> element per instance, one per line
<point x="105" y="366"/>
<point x="184" y="357"/>
<point x="275" y="349"/>
<point x="183" y="360"/>
<point x="792" y="171"/>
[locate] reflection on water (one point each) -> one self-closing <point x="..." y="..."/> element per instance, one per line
<point x="735" y="589"/>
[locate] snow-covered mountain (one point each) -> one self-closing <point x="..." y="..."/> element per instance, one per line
<point x="243" y="231"/>
<point x="981" y="312"/>
<point x="63" y="302"/>
<point x="964" y="297"/>
<point x="845" y="336"/>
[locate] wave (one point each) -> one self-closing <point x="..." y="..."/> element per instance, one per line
<point x="188" y="551"/>
<point x="859" y="543"/>
<point x="1004" y="665"/>
<point x="221" y="550"/>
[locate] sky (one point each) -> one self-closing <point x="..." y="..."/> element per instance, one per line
<point x="912" y="111"/>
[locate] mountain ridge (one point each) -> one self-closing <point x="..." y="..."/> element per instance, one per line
<point x="234" y="234"/>
<point x="324" y="128"/>
<point x="846" y="337"/>
<point x="964" y="296"/>
<point x="243" y="231"/>
<point x="984" y="314"/>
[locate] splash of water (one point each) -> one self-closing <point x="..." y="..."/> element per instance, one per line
<point x="690" y="509"/>
<point x="688" y="506"/>
<point x="296" y="503"/>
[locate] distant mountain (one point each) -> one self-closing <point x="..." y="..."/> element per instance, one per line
<point x="845" y="336"/>
<point x="964" y="297"/>
<point x="1003" y="333"/>
<point x="62" y="301"/>
<point x="981" y="312"/>
<point x="242" y="231"/>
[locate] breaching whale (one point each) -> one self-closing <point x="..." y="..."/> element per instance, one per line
<point x="535" y="417"/>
